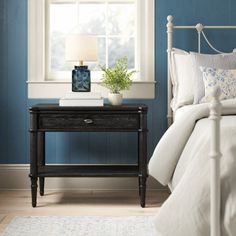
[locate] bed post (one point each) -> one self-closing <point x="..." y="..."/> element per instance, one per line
<point x="169" y="32"/>
<point x="215" y="115"/>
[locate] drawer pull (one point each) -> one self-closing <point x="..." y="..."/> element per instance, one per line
<point x="88" y="121"/>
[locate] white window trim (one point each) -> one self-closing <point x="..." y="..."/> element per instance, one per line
<point x="40" y="87"/>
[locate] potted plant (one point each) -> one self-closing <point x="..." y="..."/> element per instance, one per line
<point x="116" y="79"/>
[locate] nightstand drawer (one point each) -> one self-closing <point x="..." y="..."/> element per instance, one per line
<point x="87" y="121"/>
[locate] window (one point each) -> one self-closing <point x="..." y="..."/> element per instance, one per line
<point x="112" y="22"/>
<point x="123" y="28"/>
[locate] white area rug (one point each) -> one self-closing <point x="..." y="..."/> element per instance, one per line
<point x="80" y="226"/>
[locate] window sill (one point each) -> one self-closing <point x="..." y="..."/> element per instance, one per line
<point x="57" y="89"/>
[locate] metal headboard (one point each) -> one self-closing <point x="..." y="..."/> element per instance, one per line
<point x="170" y="29"/>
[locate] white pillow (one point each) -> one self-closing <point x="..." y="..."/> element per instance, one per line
<point x="182" y="78"/>
<point x="223" y="61"/>
<point x="224" y="79"/>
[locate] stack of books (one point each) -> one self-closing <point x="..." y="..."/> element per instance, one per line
<point x="81" y="99"/>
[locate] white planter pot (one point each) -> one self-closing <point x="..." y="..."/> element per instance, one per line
<point x="115" y="98"/>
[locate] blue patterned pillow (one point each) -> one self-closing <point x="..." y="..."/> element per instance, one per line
<point x="225" y="61"/>
<point x="224" y="79"/>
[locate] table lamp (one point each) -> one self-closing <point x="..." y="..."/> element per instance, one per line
<point x="80" y="48"/>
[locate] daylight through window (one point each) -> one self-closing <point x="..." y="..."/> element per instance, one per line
<point x="112" y="22"/>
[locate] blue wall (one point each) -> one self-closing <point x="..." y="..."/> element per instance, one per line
<point x="92" y="148"/>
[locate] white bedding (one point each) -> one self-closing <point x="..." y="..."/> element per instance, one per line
<point x="182" y="159"/>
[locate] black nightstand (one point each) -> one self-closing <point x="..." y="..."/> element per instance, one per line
<point x="53" y="118"/>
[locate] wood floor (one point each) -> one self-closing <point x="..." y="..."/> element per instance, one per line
<point x="85" y="203"/>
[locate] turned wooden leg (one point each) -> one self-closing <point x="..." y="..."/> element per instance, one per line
<point x="41" y="159"/>
<point x="142" y="190"/>
<point x="41" y="186"/>
<point x="139" y="189"/>
<point x="142" y="159"/>
<point x="33" y="158"/>
<point x="34" y="190"/>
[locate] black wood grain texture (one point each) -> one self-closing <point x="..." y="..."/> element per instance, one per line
<point x="84" y="122"/>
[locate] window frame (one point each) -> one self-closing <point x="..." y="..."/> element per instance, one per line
<point x="39" y="86"/>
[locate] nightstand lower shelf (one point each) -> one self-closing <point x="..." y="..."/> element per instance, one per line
<point x="88" y="171"/>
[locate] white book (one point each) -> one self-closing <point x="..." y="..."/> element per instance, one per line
<point x="83" y="95"/>
<point x="81" y="102"/>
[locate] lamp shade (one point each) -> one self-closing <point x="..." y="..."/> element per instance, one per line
<point x="81" y="48"/>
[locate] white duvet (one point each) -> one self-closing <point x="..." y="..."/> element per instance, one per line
<point x="181" y="159"/>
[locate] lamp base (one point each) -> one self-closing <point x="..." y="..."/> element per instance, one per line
<point x="81" y="81"/>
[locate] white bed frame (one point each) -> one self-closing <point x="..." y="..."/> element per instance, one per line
<point x="215" y="115"/>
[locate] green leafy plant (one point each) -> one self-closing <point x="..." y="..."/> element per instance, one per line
<point x="117" y="78"/>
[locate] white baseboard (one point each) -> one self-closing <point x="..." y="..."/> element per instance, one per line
<point x="15" y="177"/>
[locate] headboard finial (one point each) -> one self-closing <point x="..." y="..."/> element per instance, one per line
<point x="170" y="24"/>
<point x="215" y="105"/>
<point x="216" y="93"/>
<point x="199" y="27"/>
<point x="169" y="18"/>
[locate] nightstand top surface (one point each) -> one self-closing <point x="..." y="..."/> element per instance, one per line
<point x="106" y="107"/>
